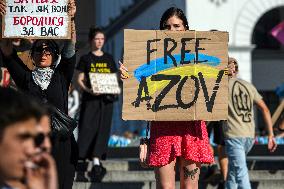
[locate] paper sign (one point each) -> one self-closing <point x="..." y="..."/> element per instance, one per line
<point x="175" y="76"/>
<point x="104" y="83"/>
<point x="36" y="19"/>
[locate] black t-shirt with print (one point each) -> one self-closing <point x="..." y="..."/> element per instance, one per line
<point x="91" y="63"/>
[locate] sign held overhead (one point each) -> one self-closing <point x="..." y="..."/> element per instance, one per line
<point x="36" y="19"/>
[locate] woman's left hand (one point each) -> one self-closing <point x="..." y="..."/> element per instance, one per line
<point x="72" y="11"/>
<point x="231" y="69"/>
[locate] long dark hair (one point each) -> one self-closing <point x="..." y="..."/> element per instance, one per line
<point x="94" y="31"/>
<point x="173" y="11"/>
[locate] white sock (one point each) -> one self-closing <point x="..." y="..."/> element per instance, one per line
<point x="96" y="161"/>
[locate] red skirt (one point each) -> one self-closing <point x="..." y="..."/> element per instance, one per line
<point x="171" y="139"/>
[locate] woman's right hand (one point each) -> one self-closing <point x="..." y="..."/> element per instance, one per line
<point x="123" y="71"/>
<point x="2" y="7"/>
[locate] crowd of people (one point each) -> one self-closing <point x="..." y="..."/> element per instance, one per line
<point x="35" y="155"/>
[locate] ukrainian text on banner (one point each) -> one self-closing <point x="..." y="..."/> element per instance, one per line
<point x="175" y="75"/>
<point x="36" y="19"/>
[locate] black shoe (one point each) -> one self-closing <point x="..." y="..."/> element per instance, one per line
<point x="221" y="185"/>
<point x="97" y="173"/>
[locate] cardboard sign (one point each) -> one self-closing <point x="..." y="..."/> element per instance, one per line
<point x="175" y="76"/>
<point x="36" y="19"/>
<point x="104" y="83"/>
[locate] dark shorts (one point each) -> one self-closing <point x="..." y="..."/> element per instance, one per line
<point x="217" y="128"/>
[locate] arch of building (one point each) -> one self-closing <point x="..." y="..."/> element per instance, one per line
<point x="249" y="15"/>
<point x="247" y="18"/>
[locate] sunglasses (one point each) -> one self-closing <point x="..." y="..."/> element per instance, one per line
<point x="39" y="139"/>
<point x="43" y="50"/>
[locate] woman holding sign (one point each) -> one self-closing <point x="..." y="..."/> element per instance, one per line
<point x="49" y="83"/>
<point x="171" y="142"/>
<point x="96" y="108"/>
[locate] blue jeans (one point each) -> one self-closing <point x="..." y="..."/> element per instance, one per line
<point x="236" y="149"/>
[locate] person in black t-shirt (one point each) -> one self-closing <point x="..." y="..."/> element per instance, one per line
<point x="96" y="109"/>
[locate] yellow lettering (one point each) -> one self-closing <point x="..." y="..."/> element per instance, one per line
<point x="101" y="65"/>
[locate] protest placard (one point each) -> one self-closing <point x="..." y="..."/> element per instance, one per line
<point x="175" y="75"/>
<point x="104" y="83"/>
<point x="36" y="19"/>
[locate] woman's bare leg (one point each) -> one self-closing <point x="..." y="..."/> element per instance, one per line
<point x="165" y="176"/>
<point x="189" y="174"/>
